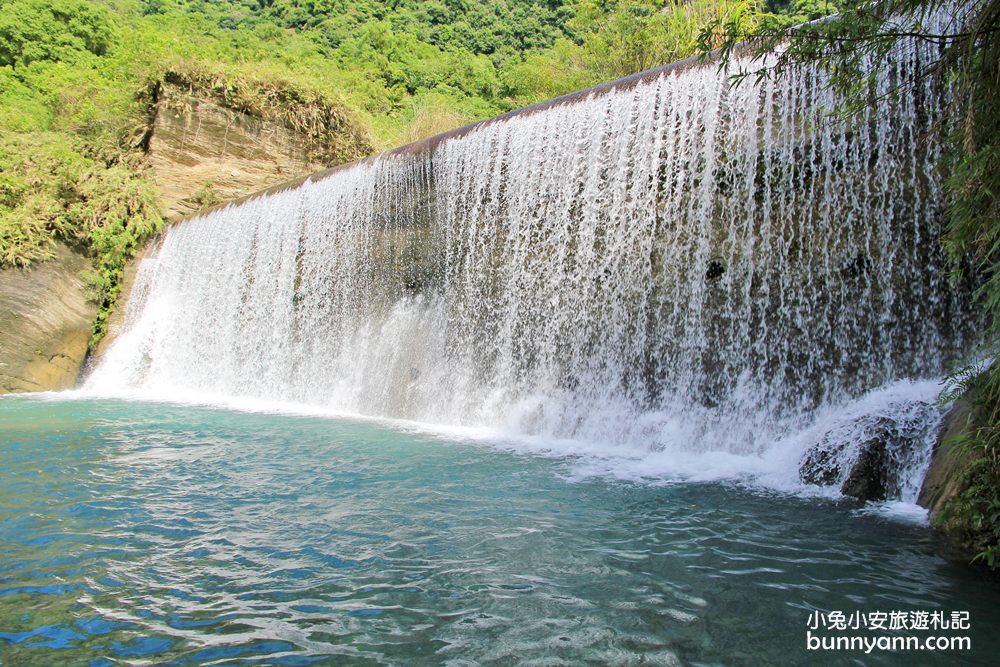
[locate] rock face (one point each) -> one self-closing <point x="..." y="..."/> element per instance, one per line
<point x="203" y="153"/>
<point x="944" y="476"/>
<point x="46" y="321"/>
<point x="872" y="477"/>
<point x="861" y="469"/>
<point x="868" y="457"/>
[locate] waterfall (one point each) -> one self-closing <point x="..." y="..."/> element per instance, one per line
<point x="673" y="264"/>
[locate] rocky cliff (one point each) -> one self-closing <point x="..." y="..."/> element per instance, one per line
<point x="201" y="153"/>
<point x="46" y="319"/>
<point x="950" y="477"/>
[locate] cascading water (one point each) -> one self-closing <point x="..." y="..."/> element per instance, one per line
<point x="676" y="265"/>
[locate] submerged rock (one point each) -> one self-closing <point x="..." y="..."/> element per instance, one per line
<point x="870" y="457"/>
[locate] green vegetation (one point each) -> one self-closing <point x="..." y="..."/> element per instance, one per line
<point x="974" y="235"/>
<point x="970" y="64"/>
<point x="974" y="515"/>
<point x="70" y="166"/>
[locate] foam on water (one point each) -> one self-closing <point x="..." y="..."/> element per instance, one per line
<point x="681" y="278"/>
<point x="776" y="468"/>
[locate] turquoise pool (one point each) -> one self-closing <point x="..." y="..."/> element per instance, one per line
<point x="145" y="533"/>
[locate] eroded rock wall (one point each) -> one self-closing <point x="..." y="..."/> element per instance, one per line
<point x="45" y="320"/>
<point x="203" y="153"/>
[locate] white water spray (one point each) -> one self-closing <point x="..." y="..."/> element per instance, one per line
<point x="681" y="268"/>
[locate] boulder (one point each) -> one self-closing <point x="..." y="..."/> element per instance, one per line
<point x="866" y="456"/>
<point x="871" y="477"/>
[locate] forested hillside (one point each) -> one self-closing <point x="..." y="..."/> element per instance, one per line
<point x="78" y="80"/>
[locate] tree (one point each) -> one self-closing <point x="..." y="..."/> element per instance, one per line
<point x="32" y="30"/>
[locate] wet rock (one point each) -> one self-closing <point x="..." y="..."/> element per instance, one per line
<point x="946" y="480"/>
<point x="716" y="269"/>
<point x="860" y="468"/>
<point x="821" y="464"/>
<point x="869" y="457"/>
<point x="871" y="476"/>
<point x="946" y="475"/>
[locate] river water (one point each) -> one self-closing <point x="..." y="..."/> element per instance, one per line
<point x="136" y="532"/>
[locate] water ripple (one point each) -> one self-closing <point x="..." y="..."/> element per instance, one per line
<point x="138" y="533"/>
